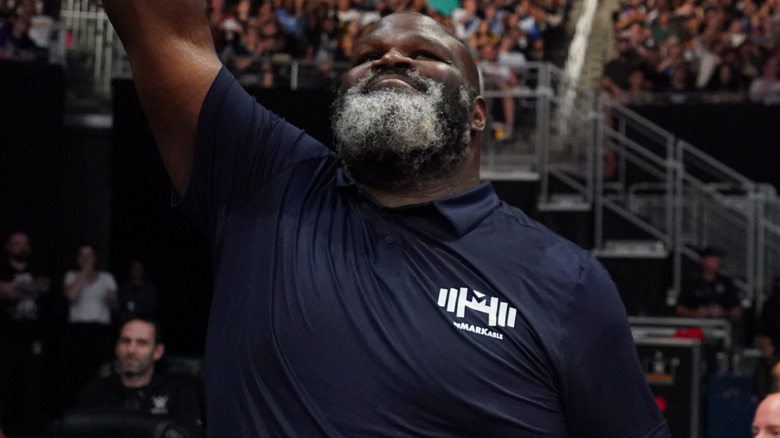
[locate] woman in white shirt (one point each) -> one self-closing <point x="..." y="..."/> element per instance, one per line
<point x="91" y="293"/>
<point x="89" y="337"/>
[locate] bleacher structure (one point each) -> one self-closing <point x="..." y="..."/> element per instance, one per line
<point x="588" y="153"/>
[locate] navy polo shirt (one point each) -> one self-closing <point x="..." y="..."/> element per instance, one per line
<point x="335" y="317"/>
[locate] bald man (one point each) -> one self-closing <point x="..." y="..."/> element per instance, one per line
<point x="766" y="422"/>
<point x="381" y="290"/>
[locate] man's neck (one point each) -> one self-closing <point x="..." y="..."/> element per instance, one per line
<point x="422" y="194"/>
<point x="137" y="380"/>
<point x="463" y="178"/>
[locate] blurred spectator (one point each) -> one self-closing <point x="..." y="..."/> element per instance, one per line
<point x="661" y="27"/>
<point x="323" y="32"/>
<point x="136" y="386"/>
<point x="720" y="43"/>
<point x="765" y="373"/>
<point x="649" y="65"/>
<point x="498" y="76"/>
<point x="768" y="325"/>
<point x="466" y="20"/>
<point x="727" y="76"/>
<point x="680" y="82"/>
<point x="346" y="40"/>
<point x="673" y="56"/>
<point x="42" y="27"/>
<point x="15" y="41"/>
<point x="508" y="54"/>
<point x="748" y="59"/>
<point x="638" y="89"/>
<point x="766" y="88"/>
<point x="710" y="294"/>
<point x="92" y="296"/>
<point x="531" y="20"/>
<point x="347" y="11"/>
<point x="618" y="70"/>
<point x="494" y="20"/>
<point x="768" y="343"/>
<point x="483" y="36"/>
<point x="267" y="78"/>
<point x="325" y="49"/>
<point x="137" y="295"/>
<point x="444" y="7"/>
<point x="21" y="347"/>
<point x="5" y="12"/>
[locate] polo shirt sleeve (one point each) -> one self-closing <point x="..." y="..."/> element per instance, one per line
<point x="240" y="146"/>
<point x="604" y="391"/>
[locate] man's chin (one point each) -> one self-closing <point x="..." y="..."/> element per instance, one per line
<point x="130" y="369"/>
<point x="394" y="86"/>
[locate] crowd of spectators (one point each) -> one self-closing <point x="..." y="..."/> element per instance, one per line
<point x="255" y="38"/>
<point x="25" y="32"/>
<point x="73" y="326"/>
<point x="729" y="49"/>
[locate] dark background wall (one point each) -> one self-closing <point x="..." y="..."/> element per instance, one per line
<point x="144" y="225"/>
<point x="31" y="109"/>
<point x="743" y="136"/>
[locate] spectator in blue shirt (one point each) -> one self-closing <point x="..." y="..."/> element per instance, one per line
<point x="383" y="289"/>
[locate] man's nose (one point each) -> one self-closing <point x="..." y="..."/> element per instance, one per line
<point x="393" y="58"/>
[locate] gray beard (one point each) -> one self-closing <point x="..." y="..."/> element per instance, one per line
<point x="389" y="139"/>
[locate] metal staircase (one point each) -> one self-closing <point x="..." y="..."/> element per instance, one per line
<point x="605" y="158"/>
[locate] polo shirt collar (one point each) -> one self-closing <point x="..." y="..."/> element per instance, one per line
<point x="464" y="210"/>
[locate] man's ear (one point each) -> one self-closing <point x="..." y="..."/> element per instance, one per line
<point x="479" y="114"/>
<point x="159" y="350"/>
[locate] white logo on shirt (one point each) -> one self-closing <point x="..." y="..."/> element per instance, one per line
<point x="500" y="313"/>
<point x="160" y="404"/>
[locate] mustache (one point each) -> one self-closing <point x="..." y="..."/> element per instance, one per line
<point x="412" y="77"/>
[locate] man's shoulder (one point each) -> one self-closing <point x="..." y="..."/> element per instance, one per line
<point x="107" y="277"/>
<point x="531" y="244"/>
<point x="521" y="226"/>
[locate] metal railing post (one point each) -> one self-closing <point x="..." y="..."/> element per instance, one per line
<point x="672" y="165"/>
<point x="752" y="237"/>
<point x="544" y="93"/>
<point x="679" y="196"/>
<point x="598" y="175"/>
<point x="759" y="296"/>
<point x="294" y="75"/>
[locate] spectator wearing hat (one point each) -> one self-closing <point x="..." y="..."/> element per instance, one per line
<point x="710" y="294"/>
<point x="617" y="72"/>
<point x="766" y="88"/>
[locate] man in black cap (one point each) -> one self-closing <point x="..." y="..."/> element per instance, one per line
<point x="711" y="294"/>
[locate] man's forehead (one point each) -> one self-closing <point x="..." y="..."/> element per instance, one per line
<point x="421" y="25"/>
<point x="18" y="237"/>
<point x="138" y="329"/>
<point x="412" y="26"/>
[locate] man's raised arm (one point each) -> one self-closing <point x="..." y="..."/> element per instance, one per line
<point x="172" y="57"/>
